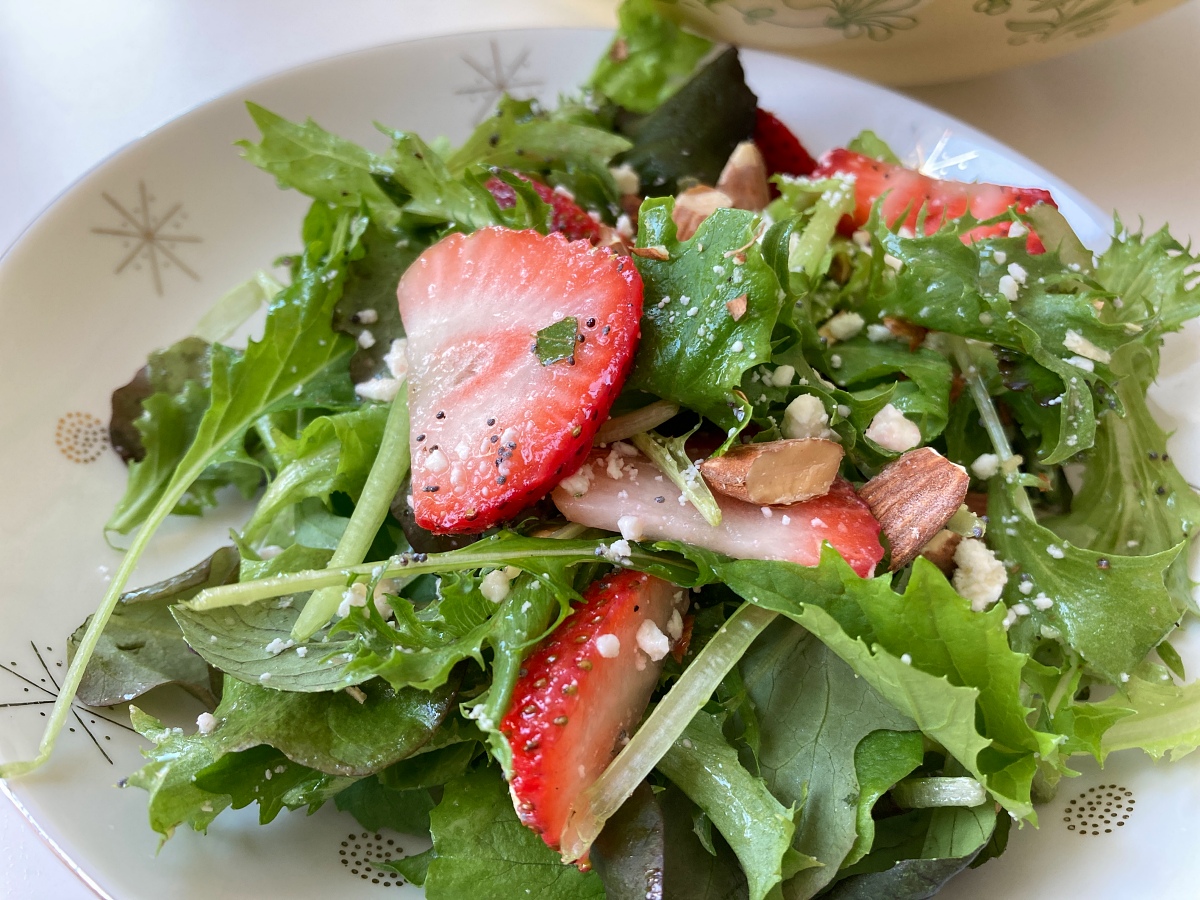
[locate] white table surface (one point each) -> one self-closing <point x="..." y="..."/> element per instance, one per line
<point x="81" y="78"/>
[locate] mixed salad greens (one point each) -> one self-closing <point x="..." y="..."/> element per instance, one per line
<point x="841" y="717"/>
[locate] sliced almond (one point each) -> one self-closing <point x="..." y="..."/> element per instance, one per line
<point x="659" y="253"/>
<point x="744" y="178"/>
<point x="775" y="473"/>
<point x="736" y="307"/>
<point x="913" y="498"/>
<point x="906" y="331"/>
<point x="695" y="205"/>
<point x="940" y="551"/>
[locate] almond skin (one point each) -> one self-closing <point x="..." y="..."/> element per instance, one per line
<point x="775" y="473"/>
<point x="940" y="551"/>
<point x="744" y="178"/>
<point x="913" y="498"/>
<point x="695" y="205"/>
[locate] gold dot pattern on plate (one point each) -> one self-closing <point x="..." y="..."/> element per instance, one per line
<point x="81" y="437"/>
<point x="1099" y="810"/>
<point x="358" y="851"/>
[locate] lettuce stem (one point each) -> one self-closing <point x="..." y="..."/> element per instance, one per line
<point x="386" y="475"/>
<point x="661" y="728"/>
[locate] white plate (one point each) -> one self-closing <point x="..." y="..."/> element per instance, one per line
<point x="80" y="307"/>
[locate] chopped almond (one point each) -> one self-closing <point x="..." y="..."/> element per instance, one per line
<point x="940" y="551"/>
<point x="913" y="498"/>
<point x="736" y="307"/>
<point x="907" y="331"/>
<point x="659" y="253"/>
<point x="744" y="178"/>
<point x="695" y="205"/>
<point x="776" y="472"/>
<point x="611" y="238"/>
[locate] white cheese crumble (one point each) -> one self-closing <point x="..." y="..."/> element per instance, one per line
<point x="206" y="723"/>
<point x="781" y="377"/>
<point x="986" y="465"/>
<point x="1018" y="273"/>
<point x="617" y="551"/>
<point x="1017" y="229"/>
<point x="366" y="316"/>
<point x="1055" y="551"/>
<point x="737" y="347"/>
<point x="580" y="483"/>
<point x="366" y="340"/>
<point x="436" y="462"/>
<point x="1077" y="343"/>
<point x="1009" y="289"/>
<point x="1081" y="362"/>
<point x="495" y="585"/>
<point x="608" y="646"/>
<point x="675" y="625"/>
<point x="1042" y="602"/>
<point x="630" y="528"/>
<point x="767" y="512"/>
<point x="980" y="577"/>
<point x="652" y="641"/>
<point x="278" y="645"/>
<point x="892" y="431"/>
<point x="626" y="178"/>
<point x="355" y="595"/>
<point x="383" y="389"/>
<point x="906" y="658"/>
<point x="877" y="334"/>
<point x="1000" y="257"/>
<point x="845" y="325"/>
<point x="805" y="417"/>
<point x="893" y="263"/>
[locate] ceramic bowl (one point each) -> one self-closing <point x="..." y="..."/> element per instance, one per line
<point x="909" y="42"/>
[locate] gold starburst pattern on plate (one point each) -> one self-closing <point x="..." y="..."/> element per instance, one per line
<point x="151" y="239"/>
<point x="496" y="78"/>
<point x="81" y="437"/>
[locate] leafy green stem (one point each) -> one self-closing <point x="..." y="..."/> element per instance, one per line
<point x="388" y="471"/>
<point x="661" y="728"/>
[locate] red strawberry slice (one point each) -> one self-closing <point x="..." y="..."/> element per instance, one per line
<point x="493" y="429"/>
<point x="569" y="217"/>
<point x="584" y="689"/>
<point x="620" y="490"/>
<point x="906" y="192"/>
<point x="781" y="150"/>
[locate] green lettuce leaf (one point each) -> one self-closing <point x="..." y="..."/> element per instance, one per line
<point x="375" y="806"/>
<point x="756" y="825"/>
<point x="689" y="137"/>
<point x="881" y="759"/>
<point x="703" y="274"/>
<point x="649" y="59"/>
<point x="142" y="647"/>
<point x="482" y="850"/>
<point x="813" y="712"/>
<point x="1165" y="719"/>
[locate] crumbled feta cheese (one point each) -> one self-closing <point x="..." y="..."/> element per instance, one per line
<point x="278" y="645"/>
<point x="781" y="377"/>
<point x="1080" y="362"/>
<point x="302" y="652"/>
<point x="366" y="340"/>
<point x="767" y="512"/>
<point x="630" y="528"/>
<point x="206" y="723"/>
<point x="805" y="417"/>
<point x="737" y="347"/>
<point x="1055" y="551"/>
<point x="355" y="595"/>
<point x="1009" y="289"/>
<point x="1017" y="271"/>
<point x="580" y="483"/>
<point x="877" y="334"/>
<point x="1000" y="257"/>
<point x="652" y="641"/>
<point x="1017" y="229"/>
<point x="892" y="431"/>
<point x="845" y="325"/>
<point x="366" y="317"/>
<point x="617" y="551"/>
<point x="786" y="520"/>
<point x="1042" y="602"/>
<point x="906" y="658"/>
<point x="384" y="389"/>
<point x="893" y="263"/>
<point x="1020" y="609"/>
<point x="1025" y="587"/>
<point x="608" y="646"/>
<point x="986" y="465"/>
<point x="495" y="585"/>
<point x="626" y="178"/>
<point x="1077" y="343"/>
<point x="624" y="226"/>
<point x="692" y="310"/>
<point x="675" y="625"/>
<point x="980" y="577"/>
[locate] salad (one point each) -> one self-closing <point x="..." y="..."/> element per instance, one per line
<point x="665" y="510"/>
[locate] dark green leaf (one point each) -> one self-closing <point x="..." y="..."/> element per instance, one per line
<point x="556" y="342"/>
<point x="375" y="806"/>
<point x="688" y="138"/>
<point x="881" y="759"/>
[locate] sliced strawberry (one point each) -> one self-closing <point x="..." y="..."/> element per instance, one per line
<point x="906" y="192"/>
<point x="620" y="490"/>
<point x="781" y="150"/>
<point x="493" y="429"/>
<point x="583" y="690"/>
<point x="569" y="217"/>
